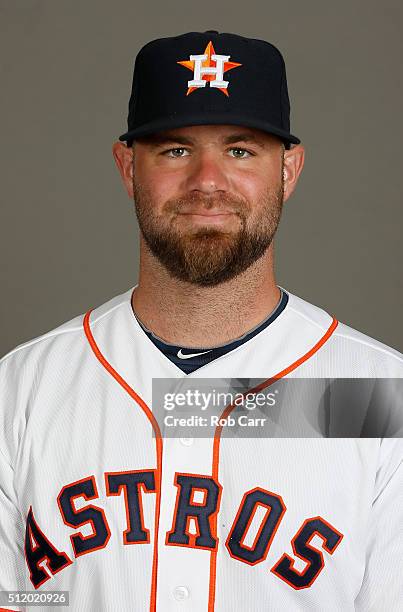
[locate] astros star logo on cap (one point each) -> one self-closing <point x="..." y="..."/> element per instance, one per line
<point x="210" y="68"/>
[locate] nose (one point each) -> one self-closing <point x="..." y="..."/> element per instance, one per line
<point x="207" y="174"/>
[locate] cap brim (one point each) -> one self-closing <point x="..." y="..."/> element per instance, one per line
<point x="206" y="118"/>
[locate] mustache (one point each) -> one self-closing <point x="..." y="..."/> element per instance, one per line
<point x="224" y="201"/>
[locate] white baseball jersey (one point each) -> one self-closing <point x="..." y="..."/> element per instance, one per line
<point x="93" y="503"/>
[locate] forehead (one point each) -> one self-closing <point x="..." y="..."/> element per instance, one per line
<point x="220" y="134"/>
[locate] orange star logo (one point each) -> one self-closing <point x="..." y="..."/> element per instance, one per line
<point x="211" y="64"/>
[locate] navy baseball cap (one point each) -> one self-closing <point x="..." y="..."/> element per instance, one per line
<point x="203" y="78"/>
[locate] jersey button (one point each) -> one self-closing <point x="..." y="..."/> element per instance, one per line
<point x="180" y="593"/>
<point x="186" y="441"/>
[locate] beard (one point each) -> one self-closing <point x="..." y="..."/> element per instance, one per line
<point x="209" y="256"/>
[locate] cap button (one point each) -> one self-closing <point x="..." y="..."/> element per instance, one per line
<point x="211" y="32"/>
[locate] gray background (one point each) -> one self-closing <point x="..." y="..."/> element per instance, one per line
<point x="68" y="231"/>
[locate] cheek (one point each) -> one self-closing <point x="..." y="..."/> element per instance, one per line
<point x="159" y="184"/>
<point x="251" y="186"/>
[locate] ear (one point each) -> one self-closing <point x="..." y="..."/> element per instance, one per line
<point x="293" y="164"/>
<point x="124" y="160"/>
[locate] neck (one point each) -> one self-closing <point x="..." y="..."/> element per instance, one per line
<point x="192" y="316"/>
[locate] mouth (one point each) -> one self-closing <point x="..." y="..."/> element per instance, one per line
<point x="211" y="212"/>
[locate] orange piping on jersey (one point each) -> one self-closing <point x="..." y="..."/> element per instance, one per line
<point x="158" y="443"/>
<point x="217" y="439"/>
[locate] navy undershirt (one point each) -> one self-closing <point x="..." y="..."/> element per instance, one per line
<point x="191" y="359"/>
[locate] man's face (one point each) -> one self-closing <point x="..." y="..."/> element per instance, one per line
<point x="208" y="199"/>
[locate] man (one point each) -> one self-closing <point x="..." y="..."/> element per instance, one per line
<point x="94" y="500"/>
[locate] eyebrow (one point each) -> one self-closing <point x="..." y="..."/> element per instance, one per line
<point x="162" y="139"/>
<point x="156" y="140"/>
<point x="244" y="137"/>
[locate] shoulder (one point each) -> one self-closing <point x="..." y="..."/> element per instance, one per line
<point x="38" y="370"/>
<point x="67" y="336"/>
<point x="353" y="352"/>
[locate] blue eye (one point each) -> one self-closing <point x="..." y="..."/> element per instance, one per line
<point x="242" y="151"/>
<point x="172" y="152"/>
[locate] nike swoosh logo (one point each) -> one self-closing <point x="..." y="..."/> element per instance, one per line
<point x="182" y="356"/>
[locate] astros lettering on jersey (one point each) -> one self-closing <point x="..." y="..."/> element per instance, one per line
<point x="93" y="504"/>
